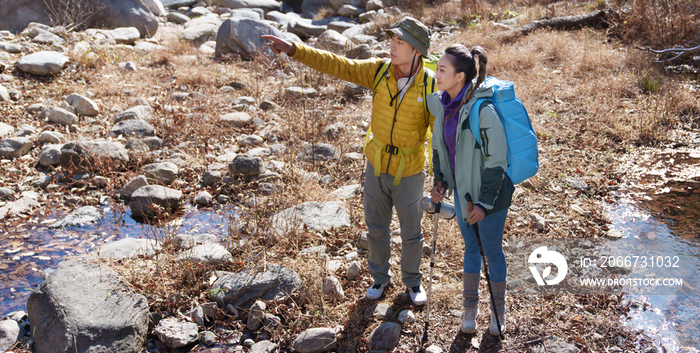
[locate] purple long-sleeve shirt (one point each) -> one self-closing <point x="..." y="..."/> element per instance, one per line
<point x="449" y="129"/>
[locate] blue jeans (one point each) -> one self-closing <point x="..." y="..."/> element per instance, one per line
<point x="491" y="234"/>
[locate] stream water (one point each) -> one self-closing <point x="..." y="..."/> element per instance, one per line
<point x="30" y="250"/>
<point x="671" y="321"/>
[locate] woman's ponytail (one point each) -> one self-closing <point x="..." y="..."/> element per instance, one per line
<point x="478" y="56"/>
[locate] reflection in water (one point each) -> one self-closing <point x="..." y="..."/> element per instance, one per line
<point x="29" y="251"/>
<point x="673" y="320"/>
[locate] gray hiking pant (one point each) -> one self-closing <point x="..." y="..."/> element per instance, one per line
<point x="380" y="196"/>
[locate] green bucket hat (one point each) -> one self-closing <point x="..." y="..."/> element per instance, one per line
<point x="413" y="32"/>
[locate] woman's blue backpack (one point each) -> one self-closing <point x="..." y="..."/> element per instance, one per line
<point x="520" y="137"/>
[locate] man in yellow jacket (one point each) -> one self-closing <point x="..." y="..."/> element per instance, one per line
<point x="396" y="153"/>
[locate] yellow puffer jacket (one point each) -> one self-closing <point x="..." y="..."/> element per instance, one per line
<point x="404" y="128"/>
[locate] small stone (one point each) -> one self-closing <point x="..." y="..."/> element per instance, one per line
<point x="385" y="337"/>
<point x="315" y="340"/>
<point x="161" y="173"/>
<point x="248" y="342"/>
<point x="353" y="270"/>
<point x="245" y="165"/>
<point x="50" y="137"/>
<point x="50" y="155"/>
<point x="379" y="311"/>
<point x="207" y="338"/>
<point x="263" y="346"/>
<point x="333" y="288"/>
<point x="615" y="234"/>
<point x="250" y="140"/>
<point x="256" y="316"/>
<point x="127" y="66"/>
<point x="538" y="221"/>
<point x="15" y="147"/>
<point x="83" y="105"/>
<point x="296" y="92"/>
<point x="62" y="117"/>
<point x="362" y="242"/>
<point x="133" y="185"/>
<point x="203" y="198"/>
<point x="433" y="349"/>
<point x="269" y="105"/>
<point x="407" y="316"/>
<point x="211" y="178"/>
<point x="175" y="334"/>
<point x="238" y="120"/>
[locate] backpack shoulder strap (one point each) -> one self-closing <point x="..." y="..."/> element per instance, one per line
<point x="381" y="73"/>
<point x="474" y="122"/>
<point x="428" y="89"/>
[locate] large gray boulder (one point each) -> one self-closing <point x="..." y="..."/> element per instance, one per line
<point x="17" y="14"/>
<point x="42" y="63"/>
<point x="265" y="5"/>
<point x="315" y="216"/>
<point x="150" y="200"/>
<point x="95" y="155"/>
<point x="15" y="147"/>
<point x="85" y="307"/>
<point x="242" y="36"/>
<point x="272" y="282"/>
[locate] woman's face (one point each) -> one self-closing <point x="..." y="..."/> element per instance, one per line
<point x="447" y="79"/>
<point x="401" y="52"/>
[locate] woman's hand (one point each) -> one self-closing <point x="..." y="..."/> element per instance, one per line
<point x="436" y="193"/>
<point x="279" y="45"/>
<point x="476" y="215"/>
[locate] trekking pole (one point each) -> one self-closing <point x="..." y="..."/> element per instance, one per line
<point x="432" y="265"/>
<point x="441" y="210"/>
<point x="488" y="279"/>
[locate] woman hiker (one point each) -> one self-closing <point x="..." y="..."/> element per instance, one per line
<point x="394" y="176"/>
<point x="476" y="174"/>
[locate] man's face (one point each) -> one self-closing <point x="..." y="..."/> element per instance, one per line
<point x="401" y="52"/>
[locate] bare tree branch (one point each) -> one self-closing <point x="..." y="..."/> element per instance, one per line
<point x="679" y="52"/>
<point x="71" y="14"/>
<point x="597" y="19"/>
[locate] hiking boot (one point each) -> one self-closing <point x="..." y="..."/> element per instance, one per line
<point x="469" y="320"/>
<point x="493" y="327"/>
<point x="499" y="297"/>
<point x="418" y="296"/>
<point x="375" y="291"/>
<point x="470" y="301"/>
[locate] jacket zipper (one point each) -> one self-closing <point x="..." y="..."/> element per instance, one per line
<point x="396" y="111"/>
